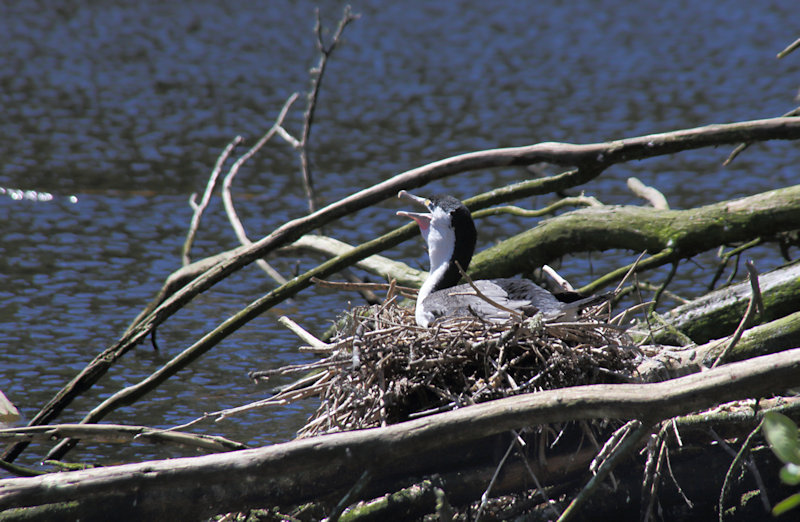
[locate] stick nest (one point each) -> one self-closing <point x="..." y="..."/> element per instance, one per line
<point x="381" y="368"/>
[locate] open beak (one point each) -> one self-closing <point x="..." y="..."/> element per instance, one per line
<point x="423" y="220"/>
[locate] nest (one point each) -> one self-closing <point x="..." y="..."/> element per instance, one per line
<point x="381" y="368"/>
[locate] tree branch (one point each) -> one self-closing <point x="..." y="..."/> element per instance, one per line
<point x="310" y="468"/>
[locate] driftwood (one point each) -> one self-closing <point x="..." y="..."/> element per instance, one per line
<point x="312" y="468"/>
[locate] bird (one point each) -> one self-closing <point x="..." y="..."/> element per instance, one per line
<point x="450" y="235"/>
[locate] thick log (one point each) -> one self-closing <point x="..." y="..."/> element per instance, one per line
<point x="307" y="469"/>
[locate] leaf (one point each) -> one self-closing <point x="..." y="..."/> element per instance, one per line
<point x="790" y="474"/>
<point x="781" y="433"/>
<point x="786" y="504"/>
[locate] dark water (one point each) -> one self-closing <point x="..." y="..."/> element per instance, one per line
<point x="119" y="110"/>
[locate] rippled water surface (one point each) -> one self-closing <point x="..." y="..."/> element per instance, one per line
<point x="120" y="109"/>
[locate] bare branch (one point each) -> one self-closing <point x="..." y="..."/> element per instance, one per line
<point x="310" y="468"/>
<point x="227" y="199"/>
<point x="118" y="434"/>
<point x="317" y="74"/>
<point x="789" y="48"/>
<point x="199" y="208"/>
<point x="650" y="194"/>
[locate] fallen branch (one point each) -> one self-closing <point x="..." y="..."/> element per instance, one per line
<point x="119" y="434"/>
<point x="311" y="468"/>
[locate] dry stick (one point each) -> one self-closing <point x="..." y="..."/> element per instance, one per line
<point x="582" y="201"/>
<point x="316" y="81"/>
<point x="678" y="487"/>
<point x="750" y="466"/>
<point x="548" y="501"/>
<point x="754" y="304"/>
<point x="663" y="286"/>
<point x="376" y="264"/>
<point x="653" y="475"/>
<point x="726" y="256"/>
<point x="734" y="467"/>
<point x="650" y="194"/>
<point x="791" y="47"/>
<point x="227" y="200"/>
<point x="742" y="146"/>
<point x="405" y="291"/>
<point x="200" y="208"/>
<point x="485" y="495"/>
<point x="630" y="443"/>
<point x="592" y="159"/>
<point x="352" y="494"/>
<point x="115" y="433"/>
<point x="303" y="334"/>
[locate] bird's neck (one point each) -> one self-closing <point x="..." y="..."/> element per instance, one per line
<point x="444" y="272"/>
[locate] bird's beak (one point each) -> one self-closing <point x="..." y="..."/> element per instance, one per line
<point x="423" y="220"/>
<point x="416" y="199"/>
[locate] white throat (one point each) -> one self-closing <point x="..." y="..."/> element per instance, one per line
<point x="441" y="242"/>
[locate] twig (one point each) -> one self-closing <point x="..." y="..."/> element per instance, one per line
<point x="405" y="291"/>
<point x="734" y="467"/>
<point x="375" y="264"/>
<point x="743" y="146"/>
<point x="227" y="199"/>
<point x="639" y="265"/>
<point x="664" y="285"/>
<point x="316" y="82"/>
<point x="199" y="208"/>
<point x="652" y="474"/>
<point x="688" y="502"/>
<point x="754" y="304"/>
<point x="650" y="194"/>
<point x="116" y="433"/>
<point x="630" y="442"/>
<point x="548" y="501"/>
<point x="612" y="444"/>
<point x="303" y="334"/>
<point x="485" y="495"/>
<point x="789" y="48"/>
<point x="583" y="201"/>
<point x="556" y="277"/>
<point x="351" y="495"/>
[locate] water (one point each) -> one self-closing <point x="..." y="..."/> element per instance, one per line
<point x="119" y="110"/>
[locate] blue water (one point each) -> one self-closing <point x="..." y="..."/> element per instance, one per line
<point x="119" y="110"/>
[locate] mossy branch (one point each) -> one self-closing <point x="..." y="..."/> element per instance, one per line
<point x="677" y="234"/>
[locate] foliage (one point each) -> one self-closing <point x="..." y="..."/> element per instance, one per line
<point x="782" y="435"/>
